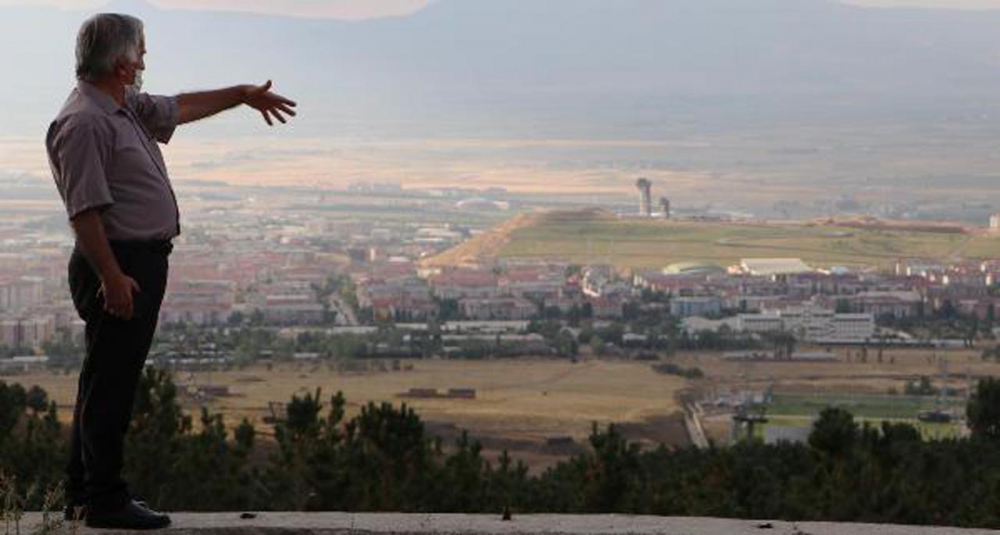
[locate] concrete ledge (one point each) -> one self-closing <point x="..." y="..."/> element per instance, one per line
<point x="400" y="524"/>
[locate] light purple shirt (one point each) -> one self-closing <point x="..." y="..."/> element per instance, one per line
<point x="106" y="157"/>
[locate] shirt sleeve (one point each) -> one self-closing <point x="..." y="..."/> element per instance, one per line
<point x="78" y="155"/>
<point x="159" y="114"/>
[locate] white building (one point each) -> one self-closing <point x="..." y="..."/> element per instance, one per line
<point x="767" y="267"/>
<point x="501" y="308"/>
<point x="811" y="324"/>
<point x="25" y="364"/>
<point x="995" y="222"/>
<point x="600" y="281"/>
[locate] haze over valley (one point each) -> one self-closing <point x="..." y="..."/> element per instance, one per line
<point x="806" y="107"/>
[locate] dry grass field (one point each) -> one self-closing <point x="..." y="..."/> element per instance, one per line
<point x="644" y="244"/>
<point x="593" y="236"/>
<point x="522" y="403"/>
<point x="519" y="404"/>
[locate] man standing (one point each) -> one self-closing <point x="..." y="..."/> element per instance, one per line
<point x="106" y="163"/>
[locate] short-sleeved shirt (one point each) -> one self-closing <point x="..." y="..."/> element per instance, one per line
<point x="104" y="156"/>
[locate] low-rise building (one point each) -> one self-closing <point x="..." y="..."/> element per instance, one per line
<point x="18" y="294"/>
<point x="498" y="308"/>
<point x="32" y="332"/>
<point x="812" y="324"/>
<point x="196" y="314"/>
<point x="607" y="307"/>
<point x="767" y="267"/>
<point x="24" y="364"/>
<point x="897" y="304"/>
<point x="709" y="305"/>
<point x="292" y="310"/>
<point x="464" y="284"/>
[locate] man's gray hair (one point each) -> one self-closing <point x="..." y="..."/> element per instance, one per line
<point x="103" y="41"/>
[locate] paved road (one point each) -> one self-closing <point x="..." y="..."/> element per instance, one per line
<point x="692" y="420"/>
<point x="345" y="314"/>
<point x="396" y="524"/>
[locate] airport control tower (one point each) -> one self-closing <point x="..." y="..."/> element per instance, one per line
<point x="665" y="207"/>
<point x="645" y="197"/>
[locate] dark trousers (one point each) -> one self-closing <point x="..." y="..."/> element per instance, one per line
<point x="116" y="353"/>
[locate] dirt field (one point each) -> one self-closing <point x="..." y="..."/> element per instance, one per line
<point x="519" y="404"/>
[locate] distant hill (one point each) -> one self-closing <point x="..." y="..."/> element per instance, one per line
<point x="484" y="249"/>
<point x="530" y="67"/>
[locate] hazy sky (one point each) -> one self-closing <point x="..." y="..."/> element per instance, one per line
<point x="354" y="9"/>
<point x="350" y="9"/>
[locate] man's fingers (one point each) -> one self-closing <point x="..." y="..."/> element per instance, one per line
<point x="123" y="310"/>
<point x="266" y="118"/>
<point x="135" y="286"/>
<point x="286" y="109"/>
<point x="278" y="116"/>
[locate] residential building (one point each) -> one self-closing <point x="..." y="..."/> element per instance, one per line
<point x="499" y="308"/>
<point x="696" y="306"/>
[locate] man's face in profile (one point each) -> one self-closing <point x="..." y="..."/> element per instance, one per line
<point x="130" y="72"/>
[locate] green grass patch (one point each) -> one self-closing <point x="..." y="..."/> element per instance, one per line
<point x="801" y="410"/>
<point x="861" y="406"/>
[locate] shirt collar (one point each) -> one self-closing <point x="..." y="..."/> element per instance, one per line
<point x="95" y="95"/>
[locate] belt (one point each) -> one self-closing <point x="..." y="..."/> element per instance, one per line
<point x="163" y="247"/>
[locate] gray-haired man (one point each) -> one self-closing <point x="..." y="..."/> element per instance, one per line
<point x="111" y="175"/>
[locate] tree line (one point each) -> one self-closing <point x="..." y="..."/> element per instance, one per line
<point x="383" y="459"/>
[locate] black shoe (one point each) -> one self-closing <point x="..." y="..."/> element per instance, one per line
<point x="131" y="516"/>
<point x="77" y="512"/>
<point x="74" y="513"/>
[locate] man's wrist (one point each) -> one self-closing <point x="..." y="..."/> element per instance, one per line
<point x="244" y="92"/>
<point x="111" y="276"/>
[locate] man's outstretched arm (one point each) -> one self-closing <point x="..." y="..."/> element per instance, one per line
<point x="196" y="106"/>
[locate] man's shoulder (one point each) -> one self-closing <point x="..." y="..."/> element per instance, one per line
<point x="79" y="112"/>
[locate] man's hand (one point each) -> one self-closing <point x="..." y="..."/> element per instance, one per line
<point x="118" y="293"/>
<point x="267" y="103"/>
<point x="199" y="105"/>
